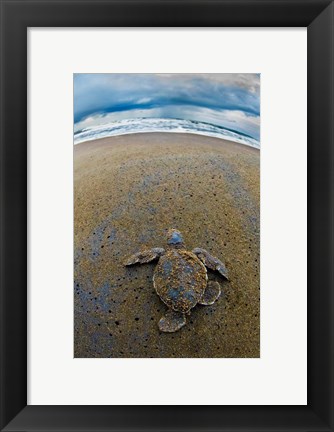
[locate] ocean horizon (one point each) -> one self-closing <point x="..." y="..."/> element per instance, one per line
<point x="170" y="125"/>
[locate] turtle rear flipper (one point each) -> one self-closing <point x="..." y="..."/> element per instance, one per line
<point x="144" y="256"/>
<point x="211" y="262"/>
<point x="211" y="293"/>
<point x="172" y="321"/>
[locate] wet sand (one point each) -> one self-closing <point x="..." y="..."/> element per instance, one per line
<point x="127" y="191"/>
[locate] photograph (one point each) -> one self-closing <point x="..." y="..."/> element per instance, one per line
<point x="166" y="215"/>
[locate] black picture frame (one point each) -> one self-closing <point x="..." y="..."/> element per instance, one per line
<point x="16" y="17"/>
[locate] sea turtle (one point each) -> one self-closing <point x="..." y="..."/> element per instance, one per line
<point x="180" y="278"/>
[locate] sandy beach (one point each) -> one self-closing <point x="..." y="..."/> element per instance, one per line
<point x="127" y="191"/>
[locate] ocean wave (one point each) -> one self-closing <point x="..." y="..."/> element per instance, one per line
<point x="144" y="125"/>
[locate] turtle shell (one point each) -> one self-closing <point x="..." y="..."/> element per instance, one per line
<point x="180" y="279"/>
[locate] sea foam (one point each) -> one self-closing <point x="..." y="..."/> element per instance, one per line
<point x="144" y="125"/>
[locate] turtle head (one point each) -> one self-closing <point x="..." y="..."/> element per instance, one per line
<point x="174" y="238"/>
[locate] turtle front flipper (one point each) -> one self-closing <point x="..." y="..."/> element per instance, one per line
<point x="211" y="293"/>
<point x="211" y="262"/>
<point x="172" y="321"/>
<point x="144" y="256"/>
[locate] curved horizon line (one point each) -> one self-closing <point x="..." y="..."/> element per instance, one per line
<point x="170" y="118"/>
<point x="101" y="131"/>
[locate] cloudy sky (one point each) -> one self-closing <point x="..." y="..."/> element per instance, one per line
<point x="228" y="100"/>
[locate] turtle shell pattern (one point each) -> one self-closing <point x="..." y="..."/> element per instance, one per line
<point x="180" y="279"/>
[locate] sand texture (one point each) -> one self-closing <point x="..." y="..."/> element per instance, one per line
<point x="128" y="191"/>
